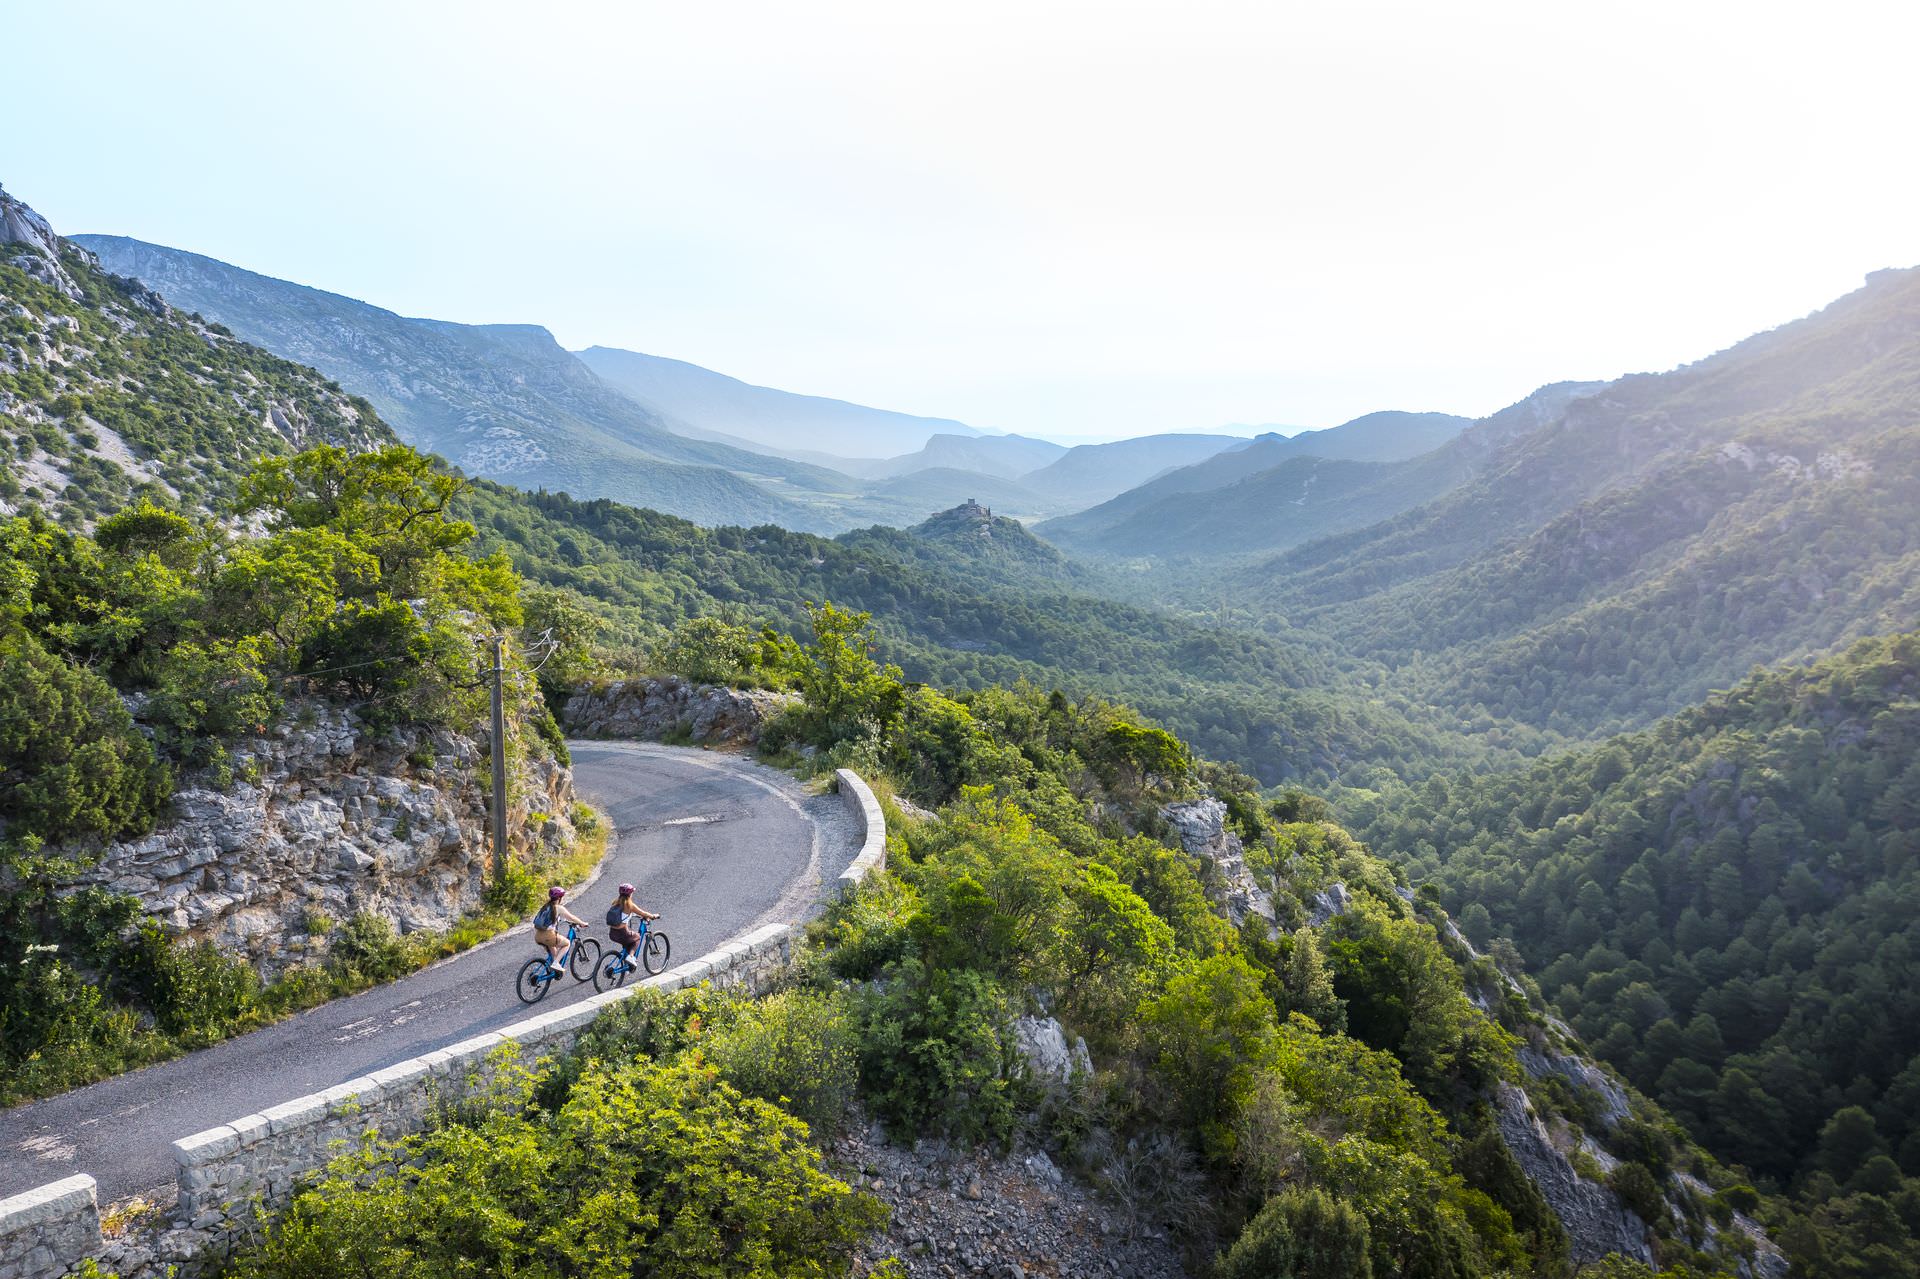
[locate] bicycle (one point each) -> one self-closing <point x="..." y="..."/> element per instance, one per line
<point x="652" y="949"/>
<point x="537" y="974"/>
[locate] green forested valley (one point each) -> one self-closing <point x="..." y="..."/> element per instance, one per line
<point x="1727" y="907"/>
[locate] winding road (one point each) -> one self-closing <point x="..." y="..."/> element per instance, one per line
<point x="716" y="843"/>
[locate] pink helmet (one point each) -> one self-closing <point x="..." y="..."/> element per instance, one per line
<point x="626" y="890"/>
<point x="555" y="893"/>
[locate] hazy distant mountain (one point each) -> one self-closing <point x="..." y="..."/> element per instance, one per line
<point x="501" y="400"/>
<point x="939" y="487"/>
<point x="1657" y="537"/>
<point x="1091" y="473"/>
<point x="1007" y="456"/>
<point x="1154" y="517"/>
<point x="712" y="403"/>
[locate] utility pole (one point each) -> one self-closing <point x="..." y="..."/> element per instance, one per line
<point x="499" y="761"/>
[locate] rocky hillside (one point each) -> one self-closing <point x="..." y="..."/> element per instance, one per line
<point x="502" y="400"/>
<point x="108" y="393"/>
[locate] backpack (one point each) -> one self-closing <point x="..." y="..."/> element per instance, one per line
<point x="546" y="916"/>
<point x="615" y="916"/>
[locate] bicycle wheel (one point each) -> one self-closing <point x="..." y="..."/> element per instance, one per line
<point x="654" y="953"/>
<point x="611" y="972"/>
<point x="585" y="960"/>
<point x="535" y="980"/>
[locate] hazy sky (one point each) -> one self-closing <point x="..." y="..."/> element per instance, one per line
<point x="1079" y="219"/>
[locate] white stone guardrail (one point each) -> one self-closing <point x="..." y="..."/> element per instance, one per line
<point x="49" y="1230"/>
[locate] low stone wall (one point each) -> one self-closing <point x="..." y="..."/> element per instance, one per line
<point x="47" y="1230"/>
<point x="873" y="848"/>
<point x="264" y="1157"/>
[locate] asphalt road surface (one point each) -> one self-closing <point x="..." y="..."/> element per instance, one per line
<point x="715" y="843"/>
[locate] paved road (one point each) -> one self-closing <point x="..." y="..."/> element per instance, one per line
<point x="717" y="844"/>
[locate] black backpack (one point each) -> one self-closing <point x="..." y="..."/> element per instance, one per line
<point x="615" y="916"/>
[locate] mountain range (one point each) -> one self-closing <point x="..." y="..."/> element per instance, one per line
<point x="1722" y="900"/>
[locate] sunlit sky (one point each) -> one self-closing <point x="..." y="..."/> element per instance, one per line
<point x="1062" y="219"/>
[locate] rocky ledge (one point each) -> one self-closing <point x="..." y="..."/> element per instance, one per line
<point x="668" y="706"/>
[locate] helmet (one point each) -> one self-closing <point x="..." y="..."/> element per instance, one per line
<point x="626" y="890"/>
<point x="555" y="893"/>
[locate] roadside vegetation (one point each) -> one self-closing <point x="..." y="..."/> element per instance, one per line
<point x="137" y="654"/>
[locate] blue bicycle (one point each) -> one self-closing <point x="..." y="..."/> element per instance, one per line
<point x="652" y="952"/>
<point x="537" y="974"/>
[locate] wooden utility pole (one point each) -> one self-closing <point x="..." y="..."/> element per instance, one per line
<point x="499" y="760"/>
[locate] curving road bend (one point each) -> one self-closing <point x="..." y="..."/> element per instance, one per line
<point x="716" y="843"/>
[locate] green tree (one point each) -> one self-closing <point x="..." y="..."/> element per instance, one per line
<point x="1300" y="1234"/>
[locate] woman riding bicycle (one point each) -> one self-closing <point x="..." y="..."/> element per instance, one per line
<point x="546" y="926"/>
<point x="620" y="917"/>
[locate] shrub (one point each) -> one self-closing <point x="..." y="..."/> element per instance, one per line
<point x="368" y="947"/>
<point x="934" y="1053"/>
<point x="645" y="1164"/>
<point x="797" y="1049"/>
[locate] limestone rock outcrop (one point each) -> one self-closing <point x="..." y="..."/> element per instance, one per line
<point x="1201" y="826"/>
<point x="665" y="706"/>
<point x="322" y="821"/>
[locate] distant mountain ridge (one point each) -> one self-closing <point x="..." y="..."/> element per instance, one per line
<point x="1654" y="540"/>
<point x="1090" y="473"/>
<point x="703" y="402"/>
<point x="501" y="400"/>
<point x="1246" y="498"/>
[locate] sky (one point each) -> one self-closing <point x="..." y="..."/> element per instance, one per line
<point x="1065" y="219"/>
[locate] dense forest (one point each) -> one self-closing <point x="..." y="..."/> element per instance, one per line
<point x="1727" y="907"/>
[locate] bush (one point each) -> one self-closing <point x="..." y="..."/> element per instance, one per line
<point x="367" y="947"/>
<point x="645" y="1165"/>
<point x="1300" y="1234"/>
<point x="797" y="1049"/>
<point x="934" y="1053"/>
<point x="72" y="765"/>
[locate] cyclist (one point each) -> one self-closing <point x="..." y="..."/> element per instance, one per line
<point x="620" y="917"/>
<point x="546" y="928"/>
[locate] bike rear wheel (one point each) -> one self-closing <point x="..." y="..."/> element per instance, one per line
<point x="611" y="972"/>
<point x="585" y="960"/>
<point x="654" y="953"/>
<point x="536" y="978"/>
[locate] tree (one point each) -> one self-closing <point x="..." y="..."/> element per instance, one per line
<point x="1847" y="1141"/>
<point x="1300" y="1233"/>
<point x="72" y="765"/>
<point x="1310" y="986"/>
<point x="848" y="693"/>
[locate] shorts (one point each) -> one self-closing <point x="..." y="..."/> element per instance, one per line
<point x="625" y="936"/>
<point x="548" y="937"/>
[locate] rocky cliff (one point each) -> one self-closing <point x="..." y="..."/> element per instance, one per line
<point x="321" y="821"/>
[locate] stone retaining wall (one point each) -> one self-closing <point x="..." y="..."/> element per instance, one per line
<point x="46" y="1230"/>
<point x="263" y="1157"/>
<point x="873" y="848"/>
